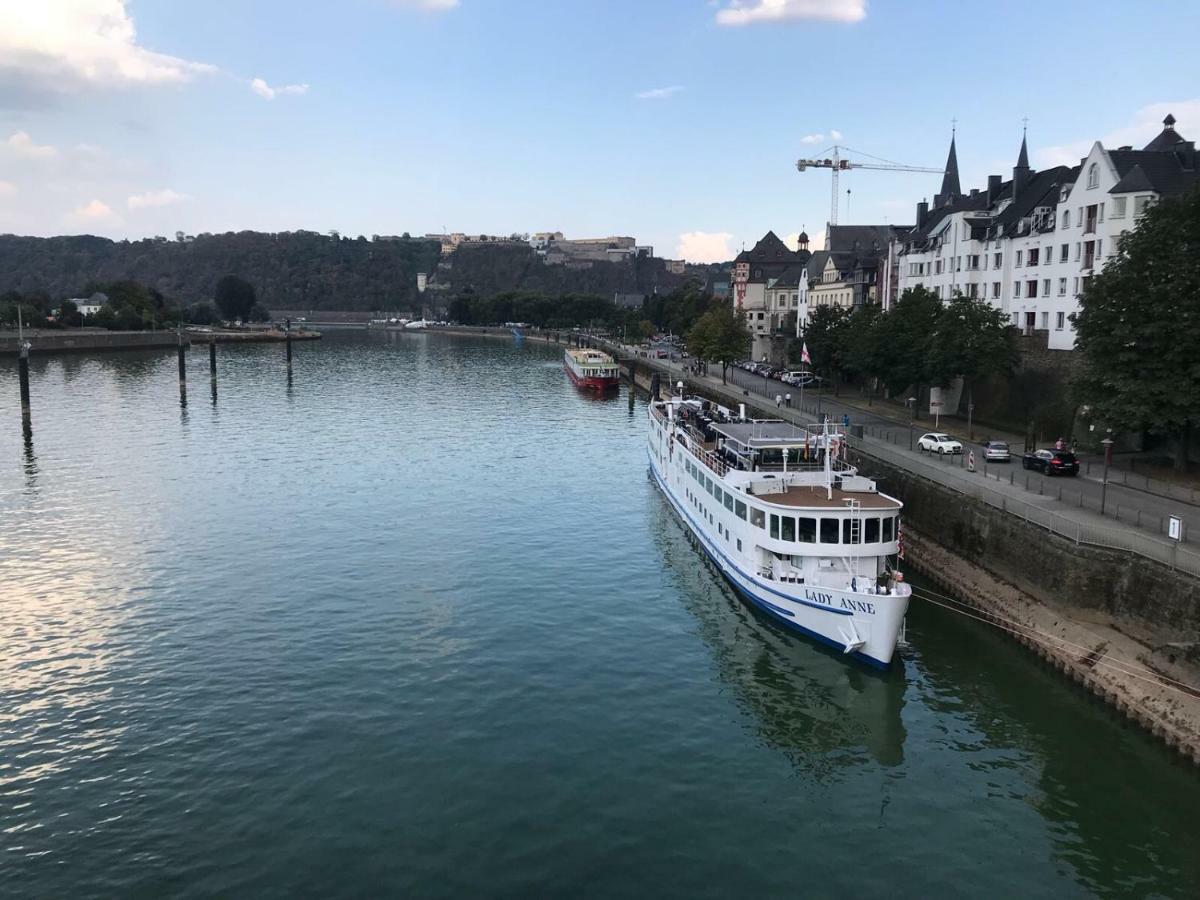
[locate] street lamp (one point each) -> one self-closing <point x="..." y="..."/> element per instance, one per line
<point x="1108" y="445"/>
<point x="911" y="403"/>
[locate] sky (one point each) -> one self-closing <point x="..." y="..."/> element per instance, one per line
<point x="675" y="121"/>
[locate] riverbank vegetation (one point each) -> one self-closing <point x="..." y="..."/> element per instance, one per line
<point x="1138" y="329"/>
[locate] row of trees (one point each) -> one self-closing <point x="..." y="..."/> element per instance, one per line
<point x="131" y="306"/>
<point x="921" y="341"/>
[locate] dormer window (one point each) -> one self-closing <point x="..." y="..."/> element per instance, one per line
<point x="1093" y="176"/>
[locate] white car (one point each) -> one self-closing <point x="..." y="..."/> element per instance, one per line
<point x="935" y="442"/>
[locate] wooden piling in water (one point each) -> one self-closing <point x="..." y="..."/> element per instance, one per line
<point x="212" y="359"/>
<point x="23" y="377"/>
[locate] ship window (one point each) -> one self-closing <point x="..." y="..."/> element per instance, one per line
<point x="729" y="501"/>
<point x="806" y="530"/>
<point x="774" y="525"/>
<point x="829" y="531"/>
<point x="887" y="529"/>
<point x="871" y="532"/>
<point x="758" y="517"/>
<point x="741" y="511"/>
<point x="739" y="540"/>
<point x="708" y="485"/>
<point x="848" y="532"/>
<point x="788" y="532"/>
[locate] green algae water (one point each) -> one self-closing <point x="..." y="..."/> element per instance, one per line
<point x="417" y="623"/>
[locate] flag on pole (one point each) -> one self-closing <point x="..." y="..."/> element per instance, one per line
<point x="804" y="357"/>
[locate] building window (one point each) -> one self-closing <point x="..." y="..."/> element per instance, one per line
<point x="1016" y="319"/>
<point x="1031" y="289"/>
<point x="1065" y="254"/>
<point x="1062" y="287"/>
<point x="1118" y="210"/>
<point x="1019" y="255"/>
<point x="1101" y="217"/>
<point x="937" y="267"/>
<point x="1066" y="218"/>
<point x="1059" y="320"/>
<point x="1075" y="286"/>
<point x="997" y="259"/>
<point x="1093" y="176"/>
<point x="1033" y="256"/>
<point x="1017" y="290"/>
<point x="1078" y="250"/>
<point x="973" y="261"/>
<point x="1099" y="252"/>
<point x="995" y="290"/>
<point x="1045" y="321"/>
<point x="1047" y="256"/>
<point x="1140" y="204"/>
<point x="1045" y="287"/>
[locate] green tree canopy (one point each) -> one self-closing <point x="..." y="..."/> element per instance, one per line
<point x="720" y="335"/>
<point x="1138" y="327"/>
<point x="906" y="338"/>
<point x="235" y="297"/>
<point x="973" y="341"/>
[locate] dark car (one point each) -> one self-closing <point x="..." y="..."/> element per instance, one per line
<point x="1051" y="462"/>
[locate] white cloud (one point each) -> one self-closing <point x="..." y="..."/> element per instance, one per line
<point x="94" y="212"/>
<point x="705" y="247"/>
<point x="834" y="134"/>
<point x="1145" y="124"/>
<point x="63" y="46"/>
<point x="264" y="90"/>
<point x="20" y="144"/>
<point x="151" y="199"/>
<point x="662" y="93"/>
<point x="428" y="5"/>
<point x="748" y="12"/>
<point x="812" y="138"/>
<point x="7" y="188"/>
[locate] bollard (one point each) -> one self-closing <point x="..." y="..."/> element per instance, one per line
<point x="212" y="359"/>
<point x="288" y="342"/>
<point x="182" y="367"/>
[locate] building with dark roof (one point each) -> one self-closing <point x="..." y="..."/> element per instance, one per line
<point x="1029" y="244"/>
<point x="755" y="272"/>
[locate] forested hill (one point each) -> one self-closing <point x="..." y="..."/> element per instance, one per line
<point x="306" y="270"/>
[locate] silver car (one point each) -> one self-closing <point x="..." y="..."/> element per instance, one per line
<point x="996" y="451"/>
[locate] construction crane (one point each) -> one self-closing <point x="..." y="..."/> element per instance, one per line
<point x="837" y="164"/>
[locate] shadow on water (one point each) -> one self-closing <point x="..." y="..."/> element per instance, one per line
<point x="1121" y="808"/>
<point x="825" y="714"/>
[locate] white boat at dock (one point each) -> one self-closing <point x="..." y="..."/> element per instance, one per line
<point x="792" y="525"/>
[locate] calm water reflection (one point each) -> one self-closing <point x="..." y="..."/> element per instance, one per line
<point x="413" y="620"/>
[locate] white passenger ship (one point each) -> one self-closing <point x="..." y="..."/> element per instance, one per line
<point x="796" y="530"/>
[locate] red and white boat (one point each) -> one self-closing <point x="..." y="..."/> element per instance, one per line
<point x="592" y="369"/>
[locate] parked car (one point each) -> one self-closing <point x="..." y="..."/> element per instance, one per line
<point x="996" y="451"/>
<point x="1051" y="462"/>
<point x="934" y="442"/>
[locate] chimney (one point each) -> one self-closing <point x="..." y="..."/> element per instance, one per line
<point x="993" y="188"/>
<point x="974" y="192"/>
<point x="922" y="212"/>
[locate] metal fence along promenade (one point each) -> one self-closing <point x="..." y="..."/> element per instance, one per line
<point x="1170" y="553"/>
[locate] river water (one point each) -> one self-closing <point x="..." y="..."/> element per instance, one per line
<point x="417" y="623"/>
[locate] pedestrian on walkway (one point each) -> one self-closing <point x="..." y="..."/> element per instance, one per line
<point x="788" y="399"/>
<point x="778" y="401"/>
<point x="1058" y="445"/>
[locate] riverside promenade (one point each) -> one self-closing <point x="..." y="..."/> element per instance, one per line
<point x="1133" y="521"/>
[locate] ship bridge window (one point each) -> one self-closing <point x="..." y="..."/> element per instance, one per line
<point x="850" y="534"/>
<point x="806" y="530"/>
<point x="729" y="501"/>
<point x="740" y="510"/>
<point x="774" y="526"/>
<point x="758" y="518"/>
<point x="788" y="531"/>
<point x="889" y="530"/>
<point x="871" y="530"/>
<point x="829" y="531"/>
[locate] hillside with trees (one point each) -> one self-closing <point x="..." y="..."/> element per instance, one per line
<point x="307" y="270"/>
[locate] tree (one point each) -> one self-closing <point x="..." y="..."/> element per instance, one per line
<point x="68" y="314"/>
<point x="824" y="338"/>
<point x="905" y="338"/>
<point x="235" y="297"/>
<point x="1138" y="327"/>
<point x="721" y="336"/>
<point x="973" y="341"/>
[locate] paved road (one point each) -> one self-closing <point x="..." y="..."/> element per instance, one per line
<point x="1075" y="498"/>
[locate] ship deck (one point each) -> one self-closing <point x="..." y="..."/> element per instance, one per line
<point x="815" y="497"/>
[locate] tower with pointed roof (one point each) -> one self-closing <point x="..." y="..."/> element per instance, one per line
<point x="950" y="188"/>
<point x="1021" y="171"/>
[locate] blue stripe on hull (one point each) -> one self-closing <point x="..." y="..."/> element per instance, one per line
<point x="767" y="608"/>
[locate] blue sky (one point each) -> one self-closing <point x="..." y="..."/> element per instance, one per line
<point x="660" y="118"/>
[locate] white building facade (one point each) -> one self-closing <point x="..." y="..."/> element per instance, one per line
<point x="1029" y="245"/>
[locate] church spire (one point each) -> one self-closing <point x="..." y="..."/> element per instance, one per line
<point x="1021" y="172"/>
<point x="950" y="187"/>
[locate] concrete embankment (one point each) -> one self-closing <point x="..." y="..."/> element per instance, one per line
<point x="251" y="337"/>
<point x="1124" y="626"/>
